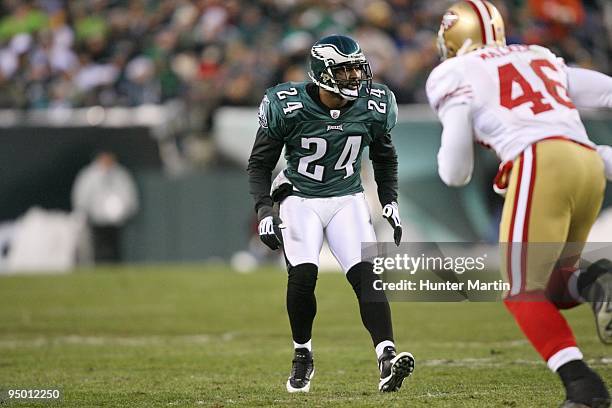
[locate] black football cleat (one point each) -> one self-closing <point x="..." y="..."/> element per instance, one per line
<point x="393" y="369"/>
<point x="302" y="371"/>
<point x="585" y="390"/>
<point x="599" y="294"/>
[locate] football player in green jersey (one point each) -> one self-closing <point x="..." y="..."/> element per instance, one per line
<point x="324" y="126"/>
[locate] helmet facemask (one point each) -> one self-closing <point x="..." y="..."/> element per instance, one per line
<point x="348" y="79"/>
<point x="441" y="44"/>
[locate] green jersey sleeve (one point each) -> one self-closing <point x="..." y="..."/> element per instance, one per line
<point x="391" y="112"/>
<point x="270" y="120"/>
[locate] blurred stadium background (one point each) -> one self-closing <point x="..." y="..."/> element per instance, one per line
<point x="172" y="86"/>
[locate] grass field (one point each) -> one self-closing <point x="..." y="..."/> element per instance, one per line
<point x="196" y="336"/>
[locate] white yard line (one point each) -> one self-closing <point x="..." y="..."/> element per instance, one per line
<point x="473" y="344"/>
<point x="115" y="340"/>
<point x="495" y="362"/>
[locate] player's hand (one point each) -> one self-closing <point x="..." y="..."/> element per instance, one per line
<point x="391" y="214"/>
<point x="270" y="231"/>
<point x="606" y="154"/>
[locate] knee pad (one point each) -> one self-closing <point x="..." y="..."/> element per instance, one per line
<point x="303" y="278"/>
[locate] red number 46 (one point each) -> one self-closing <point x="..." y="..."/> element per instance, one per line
<point x="508" y="75"/>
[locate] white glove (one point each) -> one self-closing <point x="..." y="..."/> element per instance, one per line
<point x="391" y="214"/>
<point x="606" y="154"/>
<point x="269" y="232"/>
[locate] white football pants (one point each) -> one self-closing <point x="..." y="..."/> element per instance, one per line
<point x="345" y="222"/>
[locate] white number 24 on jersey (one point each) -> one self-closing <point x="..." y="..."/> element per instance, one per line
<point x="345" y="162"/>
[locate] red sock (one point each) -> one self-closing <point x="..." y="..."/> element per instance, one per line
<point x="542" y="323"/>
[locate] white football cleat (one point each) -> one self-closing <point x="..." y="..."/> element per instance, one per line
<point x="393" y="369"/>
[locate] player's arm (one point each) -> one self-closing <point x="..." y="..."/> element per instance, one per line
<point x="606" y="154"/>
<point x="262" y="161"/>
<point x="264" y="156"/>
<point x="456" y="154"/>
<point x="385" y="165"/>
<point x="592" y="89"/>
<point x="589" y="89"/>
<point x="451" y="96"/>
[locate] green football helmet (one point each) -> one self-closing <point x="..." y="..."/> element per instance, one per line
<point x="338" y="65"/>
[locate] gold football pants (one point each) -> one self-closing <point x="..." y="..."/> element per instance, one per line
<point x="554" y="195"/>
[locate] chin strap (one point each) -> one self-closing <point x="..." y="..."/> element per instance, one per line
<point x="348" y="97"/>
<point x="465" y="47"/>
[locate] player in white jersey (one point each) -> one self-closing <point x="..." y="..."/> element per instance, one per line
<point x="520" y="101"/>
<point x="508" y="113"/>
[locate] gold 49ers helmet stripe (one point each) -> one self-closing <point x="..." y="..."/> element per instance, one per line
<point x="486" y="25"/>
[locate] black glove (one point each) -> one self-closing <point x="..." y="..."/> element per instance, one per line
<point x="391" y="214"/>
<point x="270" y="227"/>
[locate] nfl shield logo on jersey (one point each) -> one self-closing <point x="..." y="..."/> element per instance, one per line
<point x="334" y="113"/>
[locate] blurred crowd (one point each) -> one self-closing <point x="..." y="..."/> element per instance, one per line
<point x="60" y="53"/>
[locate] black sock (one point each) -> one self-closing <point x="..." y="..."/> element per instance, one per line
<point x="588" y="277"/>
<point x="573" y="370"/>
<point x="582" y="384"/>
<point x="301" y="301"/>
<point x="373" y="304"/>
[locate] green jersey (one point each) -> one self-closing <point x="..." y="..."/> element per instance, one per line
<point x="323" y="147"/>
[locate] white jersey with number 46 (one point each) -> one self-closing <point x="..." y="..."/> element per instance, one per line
<point x="517" y="95"/>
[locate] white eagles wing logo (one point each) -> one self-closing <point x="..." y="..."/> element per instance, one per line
<point x="262" y="115"/>
<point x="332" y="55"/>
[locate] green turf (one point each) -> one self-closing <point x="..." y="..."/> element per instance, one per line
<point x="196" y="336"/>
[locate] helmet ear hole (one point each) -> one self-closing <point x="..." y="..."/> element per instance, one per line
<point x="451" y="52"/>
